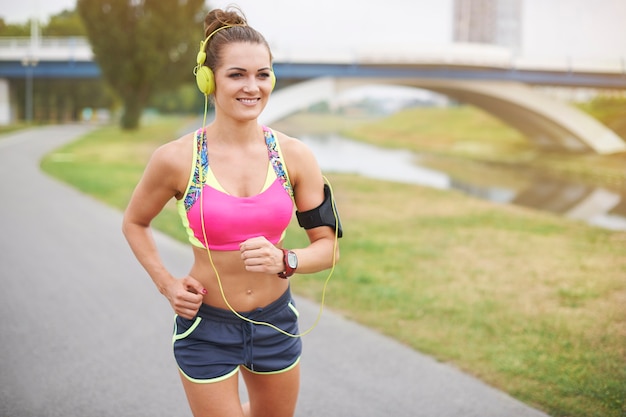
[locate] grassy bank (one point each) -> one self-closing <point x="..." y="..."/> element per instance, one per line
<point x="530" y="303"/>
<point x="13" y="127"/>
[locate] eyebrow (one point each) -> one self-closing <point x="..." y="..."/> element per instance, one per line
<point x="245" y="70"/>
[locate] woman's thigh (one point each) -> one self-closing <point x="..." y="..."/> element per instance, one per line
<point x="274" y="394"/>
<point x="215" y="399"/>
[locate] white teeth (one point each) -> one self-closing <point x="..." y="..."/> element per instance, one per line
<point x="248" y="100"/>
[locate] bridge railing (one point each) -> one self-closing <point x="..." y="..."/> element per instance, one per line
<point x="454" y="54"/>
<point x="45" y="49"/>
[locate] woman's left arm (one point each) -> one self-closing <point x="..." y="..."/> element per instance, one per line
<point x="308" y="185"/>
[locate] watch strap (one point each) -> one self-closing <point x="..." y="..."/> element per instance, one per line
<point x="289" y="271"/>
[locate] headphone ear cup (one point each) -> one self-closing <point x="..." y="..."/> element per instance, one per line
<point x="273" y="78"/>
<point x="205" y="80"/>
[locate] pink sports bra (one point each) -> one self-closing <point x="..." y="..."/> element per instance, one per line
<point x="230" y="220"/>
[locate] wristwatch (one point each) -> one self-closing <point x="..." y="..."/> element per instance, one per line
<point x="291" y="263"/>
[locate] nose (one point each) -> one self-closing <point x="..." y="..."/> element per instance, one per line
<point x="251" y="85"/>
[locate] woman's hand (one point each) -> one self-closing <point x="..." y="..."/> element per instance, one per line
<point x="260" y="255"/>
<point x="185" y="296"/>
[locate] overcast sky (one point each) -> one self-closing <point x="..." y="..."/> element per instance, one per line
<point x="582" y="28"/>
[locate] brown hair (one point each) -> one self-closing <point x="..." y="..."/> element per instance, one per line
<point x="238" y="32"/>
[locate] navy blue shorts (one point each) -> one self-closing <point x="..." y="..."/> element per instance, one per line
<point x="212" y="346"/>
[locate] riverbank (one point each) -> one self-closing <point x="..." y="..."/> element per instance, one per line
<point x="530" y="303"/>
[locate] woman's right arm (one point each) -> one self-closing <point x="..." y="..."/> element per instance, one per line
<point x="157" y="186"/>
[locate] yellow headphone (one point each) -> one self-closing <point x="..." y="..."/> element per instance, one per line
<point x="204" y="75"/>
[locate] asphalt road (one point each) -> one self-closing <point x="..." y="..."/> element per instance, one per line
<point x="85" y="333"/>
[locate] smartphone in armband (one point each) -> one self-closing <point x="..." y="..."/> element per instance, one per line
<point x="323" y="215"/>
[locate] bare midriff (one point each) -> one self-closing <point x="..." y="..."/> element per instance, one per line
<point x="244" y="290"/>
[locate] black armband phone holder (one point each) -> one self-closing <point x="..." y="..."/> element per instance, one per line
<point x="324" y="215"/>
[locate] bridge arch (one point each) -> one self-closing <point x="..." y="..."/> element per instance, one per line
<point x="549" y="123"/>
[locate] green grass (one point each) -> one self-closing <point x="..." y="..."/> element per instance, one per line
<point x="531" y="303"/>
<point x="528" y="302"/>
<point x="4" y="129"/>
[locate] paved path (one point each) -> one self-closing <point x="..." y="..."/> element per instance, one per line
<point x="84" y="332"/>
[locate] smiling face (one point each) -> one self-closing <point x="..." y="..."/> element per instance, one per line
<point x="243" y="81"/>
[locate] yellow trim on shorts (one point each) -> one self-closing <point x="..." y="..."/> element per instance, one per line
<point x="190" y="330"/>
<point x="280" y="371"/>
<point x="212" y="380"/>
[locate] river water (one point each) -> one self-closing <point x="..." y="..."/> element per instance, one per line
<point x="595" y="205"/>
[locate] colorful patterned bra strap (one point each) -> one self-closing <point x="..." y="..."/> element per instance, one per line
<point x="202" y="160"/>
<point x="276" y="161"/>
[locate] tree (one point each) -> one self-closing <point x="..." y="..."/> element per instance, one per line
<point x="12" y="29"/>
<point x="143" y="46"/>
<point x="66" y="23"/>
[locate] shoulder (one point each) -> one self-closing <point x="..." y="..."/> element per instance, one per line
<point x="170" y="163"/>
<point x="304" y="171"/>
<point x="293" y="148"/>
<point x="174" y="153"/>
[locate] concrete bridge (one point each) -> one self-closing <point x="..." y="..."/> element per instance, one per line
<point x="485" y="76"/>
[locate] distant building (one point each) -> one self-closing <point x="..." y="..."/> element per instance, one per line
<point x="495" y="22"/>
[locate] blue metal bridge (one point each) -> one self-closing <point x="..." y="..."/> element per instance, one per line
<point x="73" y="58"/>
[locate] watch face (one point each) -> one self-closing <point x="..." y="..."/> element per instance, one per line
<point x="292" y="260"/>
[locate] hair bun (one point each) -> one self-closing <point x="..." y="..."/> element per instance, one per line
<point x="216" y="18"/>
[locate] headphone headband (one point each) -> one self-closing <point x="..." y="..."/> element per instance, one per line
<point x="202" y="53"/>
